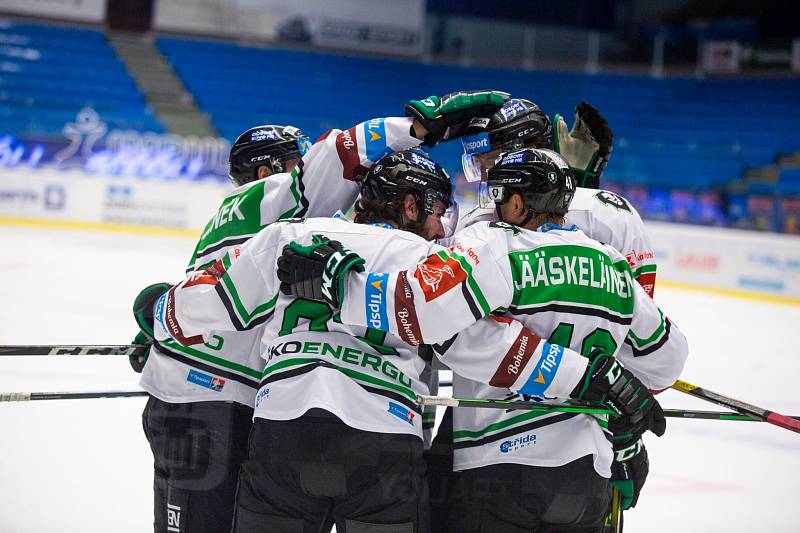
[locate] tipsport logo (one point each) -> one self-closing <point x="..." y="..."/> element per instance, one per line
<point x="375" y="301"/>
<point x="401" y="412"/>
<point x="205" y="380"/>
<point x="375" y="136"/>
<point x="476" y="144"/>
<point x="544" y="371"/>
<point x="519" y="442"/>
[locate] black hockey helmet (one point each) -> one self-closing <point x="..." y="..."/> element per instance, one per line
<point x="541" y="176"/>
<point x="268" y="145"/>
<point x="518" y="124"/>
<point x="408" y="172"/>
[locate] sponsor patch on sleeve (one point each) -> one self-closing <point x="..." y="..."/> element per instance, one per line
<point x="209" y="276"/>
<point x="544" y="371"/>
<point x="405" y="312"/>
<point x="347" y="148"/>
<point x="515" y="359"/>
<point x="437" y="276"/>
<point x="375" y="301"/>
<point x="375" y="139"/>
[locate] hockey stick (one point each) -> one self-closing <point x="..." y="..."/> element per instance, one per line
<point x="613" y="522"/>
<point x="576" y="407"/>
<point x="71" y="349"/>
<point x="32" y="396"/>
<point x="447" y="401"/>
<point x="741" y="407"/>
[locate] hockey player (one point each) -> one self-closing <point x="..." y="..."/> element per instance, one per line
<point x="603" y="215"/>
<point x="562" y="285"/>
<point x="199" y="413"/>
<point x="337" y="429"/>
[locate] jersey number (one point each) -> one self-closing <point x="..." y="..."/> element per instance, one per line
<point x="318" y="314"/>
<point x="598" y="340"/>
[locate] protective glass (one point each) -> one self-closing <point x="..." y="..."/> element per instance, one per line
<point x="450" y="219"/>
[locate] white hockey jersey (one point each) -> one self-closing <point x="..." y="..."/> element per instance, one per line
<point x="609" y="218"/>
<point x="367" y="378"/>
<point x="228" y="366"/>
<point x="563" y="286"/>
<point x="606" y="217"/>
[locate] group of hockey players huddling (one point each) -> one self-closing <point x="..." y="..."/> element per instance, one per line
<point x="285" y="369"/>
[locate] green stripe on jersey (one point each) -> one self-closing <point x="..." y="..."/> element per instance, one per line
<point x="571" y="274"/>
<point x="656" y="335"/>
<point x="291" y="212"/>
<point x="245" y="316"/>
<point x="644" y="269"/>
<point x="224" y="363"/>
<point x="471" y="282"/>
<point x="353" y="374"/>
<point x="503" y="424"/>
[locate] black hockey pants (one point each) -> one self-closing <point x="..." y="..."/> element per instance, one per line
<point x="304" y="475"/>
<point x="510" y="498"/>
<point x="197" y="450"/>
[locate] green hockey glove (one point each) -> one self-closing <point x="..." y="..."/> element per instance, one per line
<point x="317" y="271"/>
<point x="447" y="117"/>
<point x="143" y="307"/>
<point x="628" y="475"/>
<point x="137" y="360"/>
<point x="587" y="147"/>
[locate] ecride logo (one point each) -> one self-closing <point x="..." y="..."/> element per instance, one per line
<point x="517" y="443"/>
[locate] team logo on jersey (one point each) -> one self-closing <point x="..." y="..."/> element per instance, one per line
<point x="544" y="371"/>
<point x="505" y="226"/>
<point x="437" y="276"/>
<point x="613" y="200"/>
<point x="401" y="412"/>
<point x="517" y="443"/>
<point x="209" y="276"/>
<point x="205" y="380"/>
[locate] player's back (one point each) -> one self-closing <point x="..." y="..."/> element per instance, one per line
<point x="367" y="378"/>
<point x="575" y="292"/>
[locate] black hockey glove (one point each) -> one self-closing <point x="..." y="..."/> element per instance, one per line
<point x="143" y="313"/>
<point x="317" y="271"/>
<point x="607" y="381"/>
<point x="629" y="474"/>
<point x="587" y="147"/>
<point x="447" y="117"/>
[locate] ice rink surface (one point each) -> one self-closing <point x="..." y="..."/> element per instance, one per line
<point x="85" y="466"/>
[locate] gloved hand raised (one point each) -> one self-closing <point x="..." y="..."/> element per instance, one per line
<point x="317" y="271"/>
<point x="446" y="117"/>
<point x="587" y="147"/>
